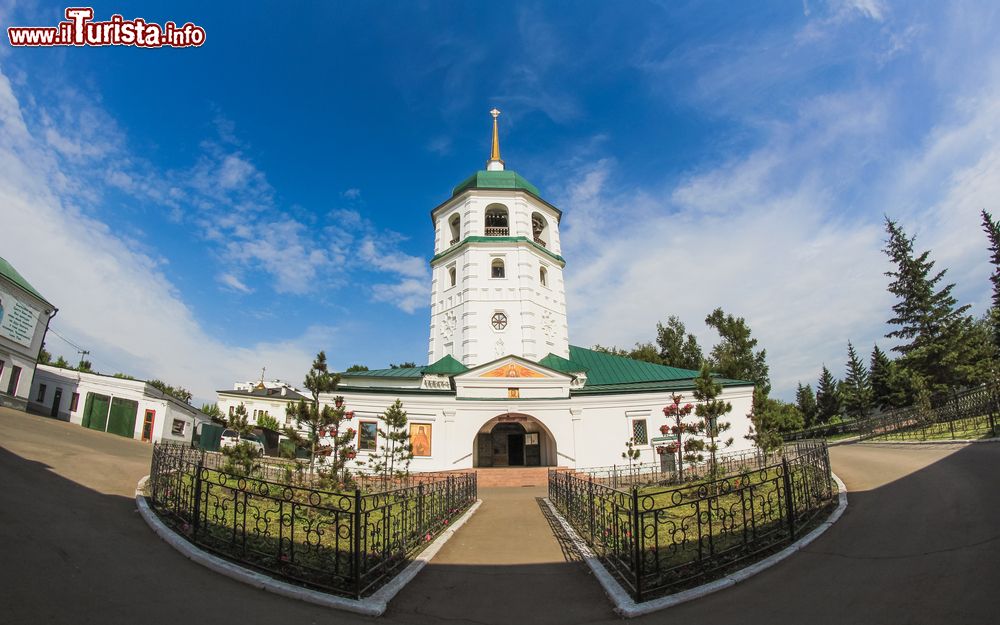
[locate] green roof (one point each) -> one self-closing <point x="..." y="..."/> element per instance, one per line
<point x="7" y="270"/>
<point x="561" y="364"/>
<point x="398" y="372"/>
<point x="446" y="366"/>
<point x="495" y="180"/>
<point x="477" y="239"/>
<point x="605" y="368"/>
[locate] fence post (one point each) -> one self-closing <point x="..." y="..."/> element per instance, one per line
<point x="420" y="507"/>
<point x="789" y="504"/>
<point x="356" y="556"/>
<point x="637" y="546"/>
<point x="197" y="498"/>
<point x="590" y="504"/>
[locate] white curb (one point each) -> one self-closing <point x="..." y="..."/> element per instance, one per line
<point x="374" y="605"/>
<point x="626" y="606"/>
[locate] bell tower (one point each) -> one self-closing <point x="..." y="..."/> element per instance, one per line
<point x="497" y="273"/>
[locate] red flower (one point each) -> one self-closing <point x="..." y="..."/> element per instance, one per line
<point x="664" y="429"/>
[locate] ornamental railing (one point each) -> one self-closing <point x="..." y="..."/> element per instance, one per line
<point x="968" y="414"/>
<point x="497" y="231"/>
<point x="661" y="540"/>
<point x="668" y="471"/>
<point x="347" y="543"/>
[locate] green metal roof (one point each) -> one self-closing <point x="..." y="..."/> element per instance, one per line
<point x="447" y="365"/>
<point x="7" y="270"/>
<point x="609" y="369"/>
<point x="648" y="387"/>
<point x="483" y="179"/>
<point x="468" y="240"/>
<point x="398" y="372"/>
<point x="561" y="364"/>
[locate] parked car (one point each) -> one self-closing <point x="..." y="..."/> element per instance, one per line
<point x="231" y="438"/>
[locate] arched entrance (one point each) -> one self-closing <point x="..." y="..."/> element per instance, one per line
<point x="514" y="440"/>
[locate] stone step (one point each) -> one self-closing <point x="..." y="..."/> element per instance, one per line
<point x="511" y="477"/>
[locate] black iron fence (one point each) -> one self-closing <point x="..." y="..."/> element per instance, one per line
<point x="847" y="426"/>
<point x="658" y="540"/>
<point x="348" y="543"/>
<point x="669" y="471"/>
<point x="968" y="414"/>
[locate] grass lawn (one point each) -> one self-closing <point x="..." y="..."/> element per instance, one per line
<point x="307" y="535"/>
<point x="961" y="429"/>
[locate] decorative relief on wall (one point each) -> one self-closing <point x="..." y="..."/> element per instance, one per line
<point x="512" y="371"/>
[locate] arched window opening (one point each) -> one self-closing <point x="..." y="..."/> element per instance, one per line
<point x="496" y="221"/>
<point x="543" y="276"/>
<point x="539" y="228"/>
<point x="456" y="229"/>
<point x="451" y="275"/>
<point x="497" y="268"/>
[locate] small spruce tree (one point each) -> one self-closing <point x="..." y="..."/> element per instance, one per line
<point x="711" y="409"/>
<point x="827" y="397"/>
<point x="392" y="458"/>
<point x="857" y="390"/>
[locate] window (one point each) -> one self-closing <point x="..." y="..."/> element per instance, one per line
<point x="513" y="393"/>
<point x="147" y="426"/>
<point x="41" y="393"/>
<point x="497" y="268"/>
<point x="456" y="229"/>
<point x="367" y="435"/>
<point x="451" y="275"/>
<point x="178" y="427"/>
<point x="232" y="410"/>
<point x="499" y="321"/>
<point x="543" y="276"/>
<point x="15" y="375"/>
<point x="639" y="436"/>
<point x="74" y="402"/>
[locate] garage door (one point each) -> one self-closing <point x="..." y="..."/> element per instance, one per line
<point x="95" y="412"/>
<point x="122" y="418"/>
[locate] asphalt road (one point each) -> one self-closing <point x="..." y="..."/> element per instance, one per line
<point x="919" y="543"/>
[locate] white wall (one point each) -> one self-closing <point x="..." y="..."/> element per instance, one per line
<point x="461" y="314"/>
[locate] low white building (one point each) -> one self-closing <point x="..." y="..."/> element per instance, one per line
<point x="24" y="319"/>
<point x="130" y="408"/>
<point x="260" y="399"/>
<point x="504" y="386"/>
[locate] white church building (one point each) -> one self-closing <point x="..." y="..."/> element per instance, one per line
<point x="504" y="386"/>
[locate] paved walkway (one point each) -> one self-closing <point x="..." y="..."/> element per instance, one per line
<point x="919" y="544"/>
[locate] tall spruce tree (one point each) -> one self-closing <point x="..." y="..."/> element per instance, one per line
<point x="935" y="333"/>
<point x="827" y="397"/>
<point x="734" y="357"/>
<point x="881" y="378"/>
<point x="678" y="348"/>
<point x="857" y="390"/>
<point x="992" y="229"/>
<point x="805" y="401"/>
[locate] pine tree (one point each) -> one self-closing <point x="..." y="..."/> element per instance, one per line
<point x="805" y="401"/>
<point x="238" y="421"/>
<point x="310" y="414"/>
<point x="881" y="372"/>
<point x="827" y="397"/>
<point x="935" y="333"/>
<point x="710" y="408"/>
<point x="734" y="356"/>
<point x="392" y="459"/>
<point x="678" y="348"/>
<point x="857" y="390"/>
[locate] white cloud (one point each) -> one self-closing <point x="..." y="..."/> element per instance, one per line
<point x="234" y="283"/>
<point x="113" y="299"/>
<point x="352" y="193"/>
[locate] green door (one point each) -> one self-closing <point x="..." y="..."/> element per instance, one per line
<point x="95" y="412"/>
<point x="121" y="421"/>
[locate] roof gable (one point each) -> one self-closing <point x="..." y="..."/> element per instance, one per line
<point x="513" y="367"/>
<point x="7" y="270"/>
<point x="447" y="365"/>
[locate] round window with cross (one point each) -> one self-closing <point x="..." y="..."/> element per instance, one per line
<point x="499" y="321"/>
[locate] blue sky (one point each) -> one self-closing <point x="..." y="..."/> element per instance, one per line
<point x="197" y="214"/>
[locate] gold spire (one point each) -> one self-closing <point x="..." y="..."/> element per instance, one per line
<point x="495" y="153"/>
